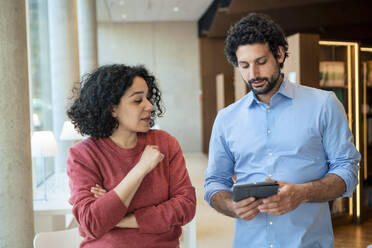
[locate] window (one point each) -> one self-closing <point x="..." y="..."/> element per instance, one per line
<point x="40" y="82"/>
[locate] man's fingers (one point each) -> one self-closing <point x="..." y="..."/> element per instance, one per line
<point x="250" y="214"/>
<point x="268" y="206"/>
<point x="273" y="198"/>
<point x="247" y="210"/>
<point x="244" y="202"/>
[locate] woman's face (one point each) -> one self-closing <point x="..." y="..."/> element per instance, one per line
<point x="134" y="110"/>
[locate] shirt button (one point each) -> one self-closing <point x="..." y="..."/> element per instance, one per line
<point x="271" y="246"/>
<point x="270" y="175"/>
<point x="268" y="131"/>
<point x="268" y="110"/>
<point x="271" y="222"/>
<point x="270" y="154"/>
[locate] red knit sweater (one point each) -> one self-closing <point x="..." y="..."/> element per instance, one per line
<point x="162" y="204"/>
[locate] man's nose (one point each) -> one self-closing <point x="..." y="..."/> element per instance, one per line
<point x="253" y="72"/>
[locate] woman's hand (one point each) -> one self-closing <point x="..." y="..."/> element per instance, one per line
<point x="150" y="158"/>
<point x="98" y="191"/>
<point x="129" y="221"/>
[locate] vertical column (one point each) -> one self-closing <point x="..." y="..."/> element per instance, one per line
<point x="87" y="24"/>
<point x="64" y="59"/>
<point x="16" y="210"/>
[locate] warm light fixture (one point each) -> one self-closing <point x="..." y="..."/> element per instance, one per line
<point x="365" y="139"/>
<point x="176" y="9"/>
<point x="69" y="132"/>
<point x="349" y="46"/>
<point x="357" y="119"/>
<point x="366" y="49"/>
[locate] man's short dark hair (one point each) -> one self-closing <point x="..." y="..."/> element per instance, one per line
<point x="101" y="90"/>
<point x="255" y="28"/>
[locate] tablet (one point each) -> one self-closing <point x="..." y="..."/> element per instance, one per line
<point x="256" y="190"/>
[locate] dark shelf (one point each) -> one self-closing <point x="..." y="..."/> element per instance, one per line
<point x="333" y="87"/>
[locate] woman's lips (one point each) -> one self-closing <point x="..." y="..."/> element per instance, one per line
<point x="147" y="119"/>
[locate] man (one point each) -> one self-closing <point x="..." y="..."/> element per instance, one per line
<point x="280" y="131"/>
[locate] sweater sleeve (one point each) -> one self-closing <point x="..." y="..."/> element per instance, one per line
<point x="96" y="216"/>
<point x="181" y="206"/>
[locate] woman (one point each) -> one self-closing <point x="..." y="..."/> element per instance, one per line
<point x="149" y="193"/>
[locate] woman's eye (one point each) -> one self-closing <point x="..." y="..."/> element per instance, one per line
<point x="138" y="101"/>
<point x="261" y="62"/>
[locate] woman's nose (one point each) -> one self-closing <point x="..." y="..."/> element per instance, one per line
<point x="149" y="106"/>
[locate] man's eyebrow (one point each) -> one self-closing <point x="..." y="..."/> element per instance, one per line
<point x="245" y="62"/>
<point x="260" y="58"/>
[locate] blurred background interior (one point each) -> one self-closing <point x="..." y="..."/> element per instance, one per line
<point x="46" y="46"/>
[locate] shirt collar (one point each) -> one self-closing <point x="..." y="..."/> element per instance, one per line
<point x="286" y="89"/>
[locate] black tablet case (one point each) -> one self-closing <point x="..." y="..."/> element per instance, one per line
<point x="257" y="190"/>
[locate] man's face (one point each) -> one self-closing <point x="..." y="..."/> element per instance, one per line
<point x="258" y="67"/>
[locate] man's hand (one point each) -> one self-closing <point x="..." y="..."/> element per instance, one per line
<point x="246" y="209"/>
<point x="289" y="197"/>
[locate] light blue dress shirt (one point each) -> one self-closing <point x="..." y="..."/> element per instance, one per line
<point x="301" y="137"/>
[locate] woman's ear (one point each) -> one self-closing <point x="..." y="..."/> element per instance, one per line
<point x="113" y="112"/>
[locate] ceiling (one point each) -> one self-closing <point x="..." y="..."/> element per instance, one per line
<point x="332" y="19"/>
<point x="150" y="10"/>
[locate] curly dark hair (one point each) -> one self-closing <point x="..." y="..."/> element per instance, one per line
<point x="99" y="91"/>
<point x="255" y="28"/>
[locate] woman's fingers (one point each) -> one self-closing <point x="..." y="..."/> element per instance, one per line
<point x="98" y="191"/>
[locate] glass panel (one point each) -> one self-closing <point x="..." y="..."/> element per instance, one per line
<point x="336" y="74"/>
<point x="40" y="82"/>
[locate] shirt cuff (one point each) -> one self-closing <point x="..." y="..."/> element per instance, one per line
<point x="213" y="188"/>
<point x="112" y="201"/>
<point x="349" y="179"/>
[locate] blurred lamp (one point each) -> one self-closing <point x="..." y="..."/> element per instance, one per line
<point x="43" y="144"/>
<point x="69" y="132"/>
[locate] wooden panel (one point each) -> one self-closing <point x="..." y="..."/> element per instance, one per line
<point x="309" y="63"/>
<point x="240" y="87"/>
<point x="212" y="62"/>
<point x="303" y="58"/>
<point x="238" y="6"/>
<point x="220" y="92"/>
<point x="298" y="18"/>
<point x="292" y="63"/>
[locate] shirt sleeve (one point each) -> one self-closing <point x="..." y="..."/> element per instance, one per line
<point x="181" y="206"/>
<point x="96" y="216"/>
<point x="342" y="156"/>
<point x="221" y="162"/>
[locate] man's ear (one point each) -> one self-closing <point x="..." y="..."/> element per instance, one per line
<point x="281" y="54"/>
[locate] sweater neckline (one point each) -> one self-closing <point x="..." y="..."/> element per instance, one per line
<point x="131" y="151"/>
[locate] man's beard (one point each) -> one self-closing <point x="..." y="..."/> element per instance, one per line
<point x="266" y="88"/>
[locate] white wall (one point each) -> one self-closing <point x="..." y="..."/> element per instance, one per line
<point x="170" y="50"/>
